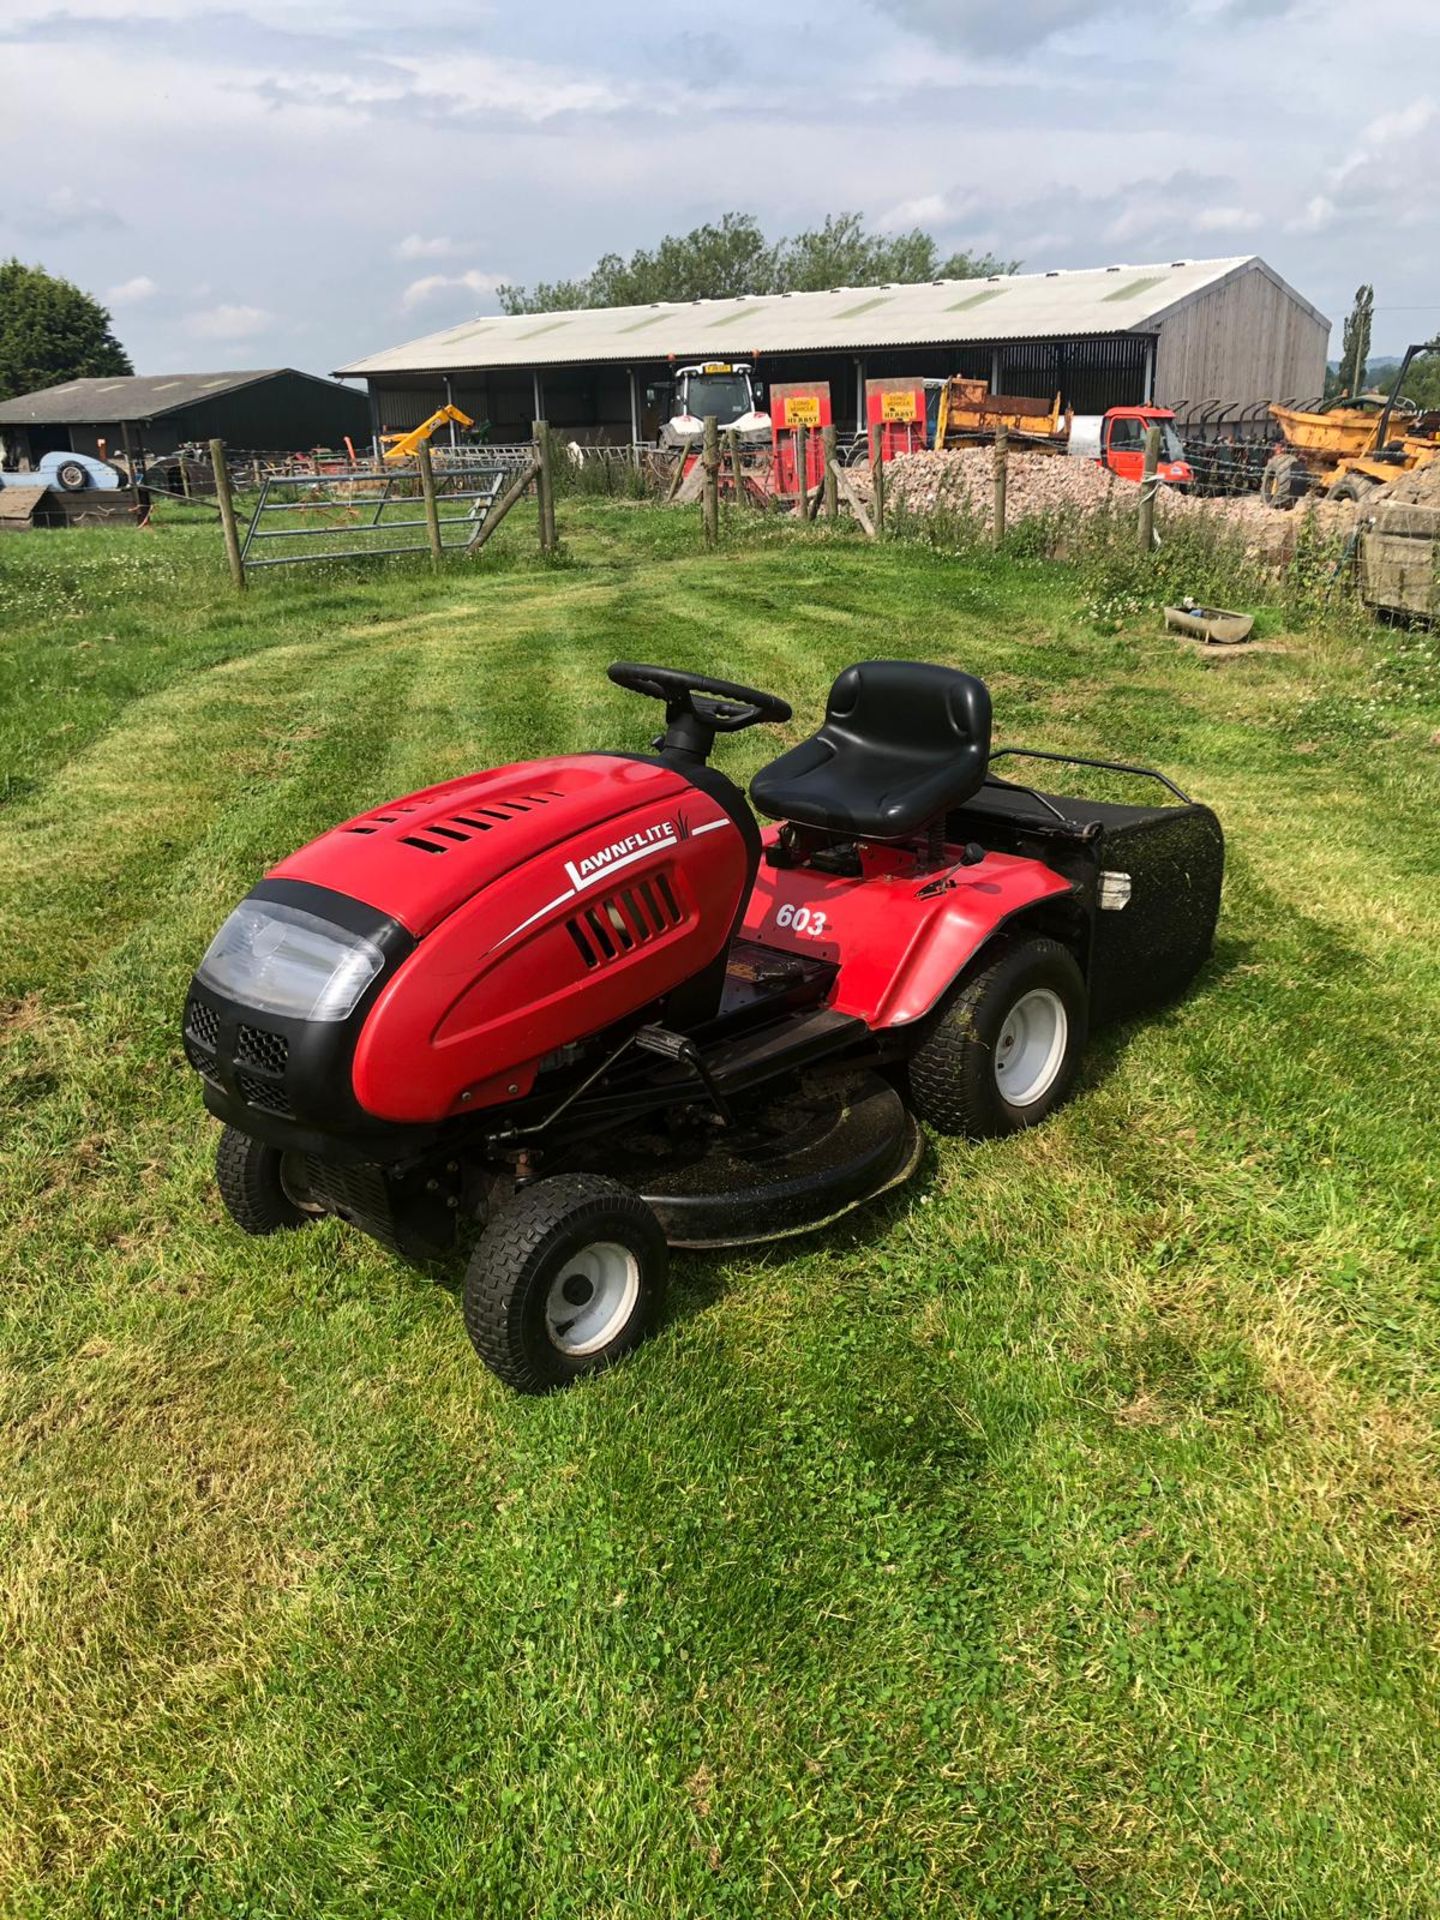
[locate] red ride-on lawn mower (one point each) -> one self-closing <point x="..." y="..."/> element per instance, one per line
<point x="580" y="1008"/>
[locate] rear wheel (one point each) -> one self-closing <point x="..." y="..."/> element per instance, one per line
<point x="564" y="1281"/>
<point x="250" y="1177"/>
<point x="1280" y="481"/>
<point x="72" y="476"/>
<point x="1005" y="1052"/>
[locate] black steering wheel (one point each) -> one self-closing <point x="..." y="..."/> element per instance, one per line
<point x="724" y="706"/>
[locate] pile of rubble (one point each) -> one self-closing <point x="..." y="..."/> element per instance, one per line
<point x="1270" y="535"/>
<point x="1045" y="485"/>
<point x="963" y="483"/>
<point x="1418" y="489"/>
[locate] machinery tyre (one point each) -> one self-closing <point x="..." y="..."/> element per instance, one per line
<point x="1277" y="482"/>
<point x="247" y="1173"/>
<point x="1352" y="486"/>
<point x="72" y="476"/>
<point x="565" y="1280"/>
<point x="1021" y="1016"/>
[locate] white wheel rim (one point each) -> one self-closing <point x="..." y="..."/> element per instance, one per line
<point x="1031" y="1047"/>
<point x="592" y="1297"/>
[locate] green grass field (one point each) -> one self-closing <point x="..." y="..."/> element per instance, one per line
<point x="1057" y="1538"/>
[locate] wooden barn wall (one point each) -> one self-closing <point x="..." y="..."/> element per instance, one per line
<point x="1243" y="342"/>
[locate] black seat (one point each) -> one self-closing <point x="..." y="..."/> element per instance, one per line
<point x="901" y="744"/>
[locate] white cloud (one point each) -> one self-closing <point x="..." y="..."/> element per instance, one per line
<point x="426" y="288"/>
<point x="1403" y="124"/>
<point x="227" y="322"/>
<point x="1227" y="220"/>
<point x="415" y="246"/>
<point x="1319" y="212"/>
<point x="458" y="86"/>
<point x="130" y="292"/>
<point x="65" y="211"/>
<point x="927" y="209"/>
<point x="1379" y="178"/>
<point x="527" y="89"/>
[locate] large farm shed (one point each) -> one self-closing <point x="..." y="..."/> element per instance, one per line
<point x="1186" y="331"/>
<point x="273" y="410"/>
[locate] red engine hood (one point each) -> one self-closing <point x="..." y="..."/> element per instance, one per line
<point x="421" y="857"/>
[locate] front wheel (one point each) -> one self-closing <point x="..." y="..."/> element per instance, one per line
<point x="1354" y="487"/>
<point x="1006" y="1050"/>
<point x="251" y="1179"/>
<point x="565" y="1280"/>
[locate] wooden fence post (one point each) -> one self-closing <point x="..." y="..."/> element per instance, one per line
<point x="1148" y="486"/>
<point x="857" y="506"/>
<point x="877" y="482"/>
<point x="710" y="499"/>
<point x="1002" y="476"/>
<point x="502" y="506"/>
<point x="432" y="509"/>
<point x="737" y="470"/>
<point x="225" y="500"/>
<point x="544" y="485"/>
<point x="832" y="490"/>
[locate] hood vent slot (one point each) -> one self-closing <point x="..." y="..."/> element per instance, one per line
<point x="375" y="821"/>
<point x="456" y="829"/>
<point x="631" y="918"/>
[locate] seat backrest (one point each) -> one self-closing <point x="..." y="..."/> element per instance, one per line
<point x="902" y="743"/>
<point x="916" y="710"/>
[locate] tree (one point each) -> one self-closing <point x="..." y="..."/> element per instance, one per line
<point x="712" y="262"/>
<point x="1355" y="342"/>
<point x="840" y="253"/>
<point x="723" y="259"/>
<point x="1422" y="380"/>
<point x="51" y="332"/>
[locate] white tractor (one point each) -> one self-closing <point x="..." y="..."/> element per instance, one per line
<point x="721" y="387"/>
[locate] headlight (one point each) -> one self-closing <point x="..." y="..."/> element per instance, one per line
<point x="283" y="960"/>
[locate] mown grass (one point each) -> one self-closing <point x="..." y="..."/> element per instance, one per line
<point x="1058" y="1538"/>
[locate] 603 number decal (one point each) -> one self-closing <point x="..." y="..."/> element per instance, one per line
<point x="809" y="921"/>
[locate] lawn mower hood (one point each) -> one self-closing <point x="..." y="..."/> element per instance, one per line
<point x="425" y="959"/>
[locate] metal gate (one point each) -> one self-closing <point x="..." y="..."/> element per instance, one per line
<point x="368" y="513"/>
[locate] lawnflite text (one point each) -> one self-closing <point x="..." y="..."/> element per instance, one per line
<point x="620" y="853"/>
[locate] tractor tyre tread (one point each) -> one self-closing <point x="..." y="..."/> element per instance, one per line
<point x="508" y="1255"/>
<point x="951" y="1072"/>
<point x="247" y="1173"/>
<point x="1277" y="481"/>
<point x="1352" y="487"/>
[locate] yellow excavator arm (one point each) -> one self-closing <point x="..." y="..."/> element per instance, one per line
<point x="400" y="446"/>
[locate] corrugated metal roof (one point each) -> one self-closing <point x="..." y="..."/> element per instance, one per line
<point x="1019" y="306"/>
<point x="129" y="397"/>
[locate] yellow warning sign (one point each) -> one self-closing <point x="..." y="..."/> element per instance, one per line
<point x="802" y="410"/>
<point x="898" y="406"/>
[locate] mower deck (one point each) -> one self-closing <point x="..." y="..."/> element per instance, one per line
<point x="835" y="1140"/>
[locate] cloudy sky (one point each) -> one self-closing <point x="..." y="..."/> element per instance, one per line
<point x="252" y="182"/>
